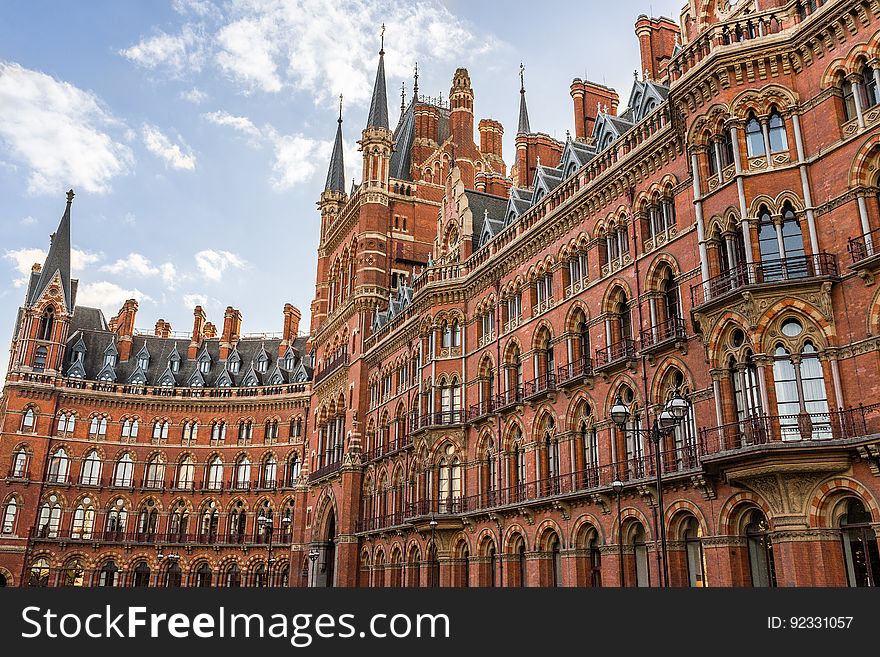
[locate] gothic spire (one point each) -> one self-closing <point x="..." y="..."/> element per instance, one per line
<point x="416" y="83"/>
<point x="378" y="117"/>
<point x="58" y="260"/>
<point x="336" y="173"/>
<point x="523" y="128"/>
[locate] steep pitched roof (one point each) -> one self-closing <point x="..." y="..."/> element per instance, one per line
<point x="378" y="116"/>
<point x="57" y="261"/>
<point x="336" y="172"/>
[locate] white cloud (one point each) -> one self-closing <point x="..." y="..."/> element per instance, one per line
<point x="28" y="221"/>
<point x="24" y="259"/>
<point x="212" y="263"/>
<point x="107" y="296"/>
<point x="315" y="46"/>
<point x="129" y="219"/>
<point x="240" y="124"/>
<point x="163" y="148"/>
<point x="192" y="300"/>
<point x="174" y="53"/>
<point x="197" y="7"/>
<point x="194" y="96"/>
<point x="58" y="132"/>
<point x="136" y="264"/>
<point x="296" y="159"/>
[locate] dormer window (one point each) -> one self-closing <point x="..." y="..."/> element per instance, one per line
<point x="110" y="359"/>
<point x="262" y="363"/>
<point x="174" y="365"/>
<point x="288" y="361"/>
<point x="234" y="366"/>
<point x="205" y="365"/>
<point x="78" y="356"/>
<point x="46" y="324"/>
<point x="143" y="361"/>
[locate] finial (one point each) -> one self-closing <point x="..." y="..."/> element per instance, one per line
<point x="70" y="196"/>
<point x="522" y="82"/>
<point x="646" y="74"/>
<point x="567" y="135"/>
<point x="416" y="82"/>
<point x="605" y="109"/>
<point x="635" y="74"/>
<point x="382" y="37"/>
<point x="440" y="102"/>
<point x="402" y="96"/>
<point x="340" y="108"/>
<point x="485" y="214"/>
<point x="598" y="106"/>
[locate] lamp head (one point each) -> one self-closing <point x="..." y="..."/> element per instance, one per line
<point x="617" y="486"/>
<point x="619" y="411"/>
<point x="677" y="405"/>
<point x="667" y="420"/>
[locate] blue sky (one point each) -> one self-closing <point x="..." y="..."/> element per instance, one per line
<point x="196" y="134"/>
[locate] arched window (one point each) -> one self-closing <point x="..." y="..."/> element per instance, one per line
<point x="109" y="574"/>
<point x="696" y="563"/>
<point x="90" y="475"/>
<point x="754" y="137"/>
<point x="293" y="469"/>
<point x="66" y="423"/>
<point x="173" y="576"/>
<point x="860" y="553"/>
<point x="39" y="573"/>
<point x="141" y="576"/>
<point x="59" y="466"/>
<point x="203" y="575"/>
<point x="243" y="473"/>
<point x="760" y="547"/>
<point x="555" y="561"/>
<point x="179" y="520"/>
<point x="210" y="522"/>
<point x="28" y="421"/>
<point x="590" y="447"/>
<point x="449" y="481"/>
<point x="233" y="576"/>
<point x="218" y="432"/>
<point x="160" y="430"/>
<point x="519" y="465"/>
<point x="122" y="475"/>
<point x="49" y="520"/>
<point x="849" y="99"/>
<point x="130" y="428"/>
<point x="640" y="555"/>
<point x="190" y="432"/>
<point x="186" y="473"/>
<point x="215" y="474"/>
<point x="271" y="430"/>
<point x="800" y="389"/>
<point x="768" y="241"/>
<point x="521" y="562"/>
<point x="83" y="519"/>
<point x="40" y="356"/>
<point x="671" y="300"/>
<point x="47" y="323"/>
<point x="237" y="523"/>
<point x="73" y="573"/>
<point x="148" y="519"/>
<point x="19" y="463"/>
<point x="10" y="512"/>
<point x="270" y="472"/>
<point x="98" y="427"/>
<point x="776" y="129"/>
<point x="154" y="472"/>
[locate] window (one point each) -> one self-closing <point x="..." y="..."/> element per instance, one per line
<point x="73" y="573"/>
<point x="179" y="521"/>
<point x="849" y="100"/>
<point x="271" y="432"/>
<point x="148" y="519"/>
<point x="130" y="428"/>
<point x="190" y="432"/>
<point x="19" y="463"/>
<point x="47" y="322"/>
<point x="28" y="421"/>
<point x="203" y="576"/>
<point x="160" y="430"/>
<point x="49" y="520"/>
<point x="696" y="563"/>
<point x="262" y="363"/>
<point x="110" y="358"/>
<point x="141" y="575"/>
<point x="174" y="363"/>
<point x="155" y="472"/>
<point x="293" y="469"/>
<point x="640" y="554"/>
<point x="9" y="513"/>
<point x="725" y="143"/>
<point x="98" y="427"/>
<point x="173" y="576"/>
<point x="83" y="520"/>
<point x="215" y="474"/>
<point x="91" y="469"/>
<point x="122" y="475"/>
<point x="218" y="432"/>
<point x="869" y="87"/>
<point x="449" y="481"/>
<point x="185" y="473"/>
<point x="234" y="364"/>
<point x="245" y="430"/>
<point x="243" y="473"/>
<point x="210" y="522"/>
<point x="800" y="388"/>
<point x="270" y="472"/>
<point x="205" y="364"/>
<point x="754" y="138"/>
<point x="778" y="138"/>
<point x="761" y="561"/>
<point x="39" y="574"/>
<point x="59" y="464"/>
<point x="40" y="356"/>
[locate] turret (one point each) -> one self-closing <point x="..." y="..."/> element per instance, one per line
<point x="376" y="139"/>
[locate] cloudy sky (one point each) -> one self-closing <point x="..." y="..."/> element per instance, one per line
<point x="196" y="134"/>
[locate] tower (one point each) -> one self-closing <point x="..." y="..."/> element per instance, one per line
<point x="376" y="138"/>
<point x="44" y="320"/>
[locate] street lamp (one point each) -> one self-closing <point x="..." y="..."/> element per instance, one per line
<point x="617" y="487"/>
<point x="433" y="525"/>
<point x="267" y="527"/>
<point x="674" y="411"/>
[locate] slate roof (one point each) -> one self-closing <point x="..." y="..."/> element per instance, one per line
<point x="378" y="116"/>
<point x="57" y="261"/>
<point x="404" y="137"/>
<point x="336" y="172"/>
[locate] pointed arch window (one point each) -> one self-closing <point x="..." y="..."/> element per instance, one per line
<point x="28" y="421"/>
<point x="270" y="471"/>
<point x="91" y="469"/>
<point x="83" y="520"/>
<point x="130" y="428"/>
<point x="141" y="575"/>
<point x="10" y="512"/>
<point x="218" y="432"/>
<point x="40" y="356"/>
<point x="800" y="390"/>
<point x="754" y="137"/>
<point x="155" y="472"/>
<point x="47" y="323"/>
<point x="122" y="475"/>
<point x="39" y="573"/>
<point x="98" y="427"/>
<point x="776" y="130"/>
<point x="20" y="463"/>
<point x="190" y="432"/>
<point x="49" y="520"/>
<point x="160" y="430"/>
<point x="294" y="466"/>
<point x="179" y="520"/>
<point x="117" y="517"/>
<point x="210" y="522"/>
<point x="243" y="473"/>
<point x="59" y="466"/>
<point x="860" y="553"/>
<point x="186" y="473"/>
<point x="215" y="474"/>
<point x="449" y="483"/>
<point x="760" y="548"/>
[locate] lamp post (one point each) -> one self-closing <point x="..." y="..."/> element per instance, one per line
<point x="617" y="487"/>
<point x="313" y="557"/>
<point x="267" y="527"/>
<point x="674" y="411"/>
<point x="172" y="557"/>
<point x="433" y="525"/>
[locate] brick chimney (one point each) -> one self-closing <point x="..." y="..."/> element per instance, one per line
<point x="210" y="331"/>
<point x="292" y="315"/>
<point x="198" y="332"/>
<point x="491" y="133"/>
<point x="461" y="105"/>
<point x="123" y="326"/>
<point x="163" y="329"/>
<point x="587" y="96"/>
<point x="231" y="331"/>
<point x="657" y="38"/>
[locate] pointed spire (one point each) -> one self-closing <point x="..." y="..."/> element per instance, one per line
<point x="416" y="83"/>
<point x="378" y="117"/>
<point x="336" y="173"/>
<point x="403" y="97"/>
<point x="58" y="259"/>
<point x="523" y="128"/>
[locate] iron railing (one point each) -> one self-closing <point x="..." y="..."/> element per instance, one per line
<point x="340" y="361"/>
<point x="325" y="471"/>
<point x="574" y="371"/>
<point x="863" y="246"/>
<point x="615" y="352"/>
<point x="672" y="328"/>
<point x="545" y="382"/>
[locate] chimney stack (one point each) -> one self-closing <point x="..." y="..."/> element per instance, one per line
<point x="163" y="329"/>
<point x="123" y="326"/>
<point x="210" y="331"/>
<point x="587" y="96"/>
<point x="292" y="315"/>
<point x="198" y="332"/>
<point x="657" y="39"/>
<point x="231" y="331"/>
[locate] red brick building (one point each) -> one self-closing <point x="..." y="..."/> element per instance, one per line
<point x="449" y="421"/>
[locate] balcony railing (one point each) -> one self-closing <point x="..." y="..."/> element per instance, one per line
<point x="439" y="419"/>
<point x="325" y="471"/>
<point x="863" y="246"/>
<point x="574" y="371"/>
<point x="340" y="361"/>
<point x="152" y="538"/>
<point x="671" y="329"/>
<point x="390" y="447"/>
<point x="508" y="398"/>
<point x="543" y="383"/>
<point x="481" y="409"/>
<point x="616" y="352"/>
<point x="767" y="271"/>
<point x="787" y="429"/>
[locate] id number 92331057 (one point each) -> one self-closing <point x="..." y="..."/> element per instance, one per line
<point x="809" y="622"/>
